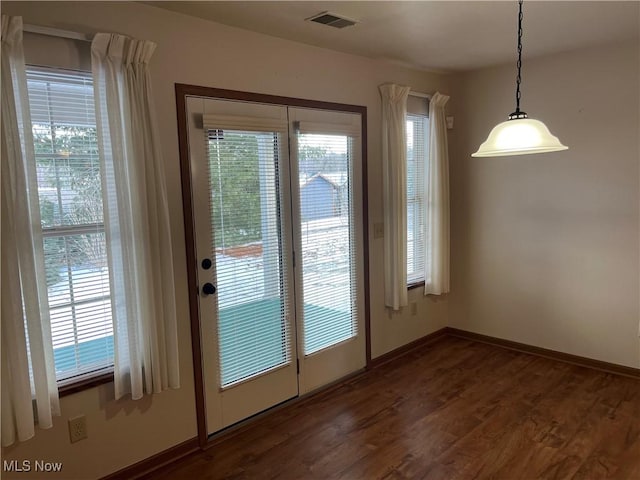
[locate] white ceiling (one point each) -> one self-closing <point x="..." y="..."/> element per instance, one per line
<point x="432" y="35"/>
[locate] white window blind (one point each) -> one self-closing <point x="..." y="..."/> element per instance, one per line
<point x="416" y="208"/>
<point x="327" y="240"/>
<point x="70" y="194"/>
<point x="252" y="290"/>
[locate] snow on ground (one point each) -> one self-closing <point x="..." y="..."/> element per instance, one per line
<point x="326" y="278"/>
<point x="326" y="269"/>
<point x="85" y="295"/>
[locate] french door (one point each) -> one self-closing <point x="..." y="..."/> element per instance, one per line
<point x="326" y="206"/>
<point x="276" y="194"/>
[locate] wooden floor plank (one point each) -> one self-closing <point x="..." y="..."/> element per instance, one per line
<point x="454" y="409"/>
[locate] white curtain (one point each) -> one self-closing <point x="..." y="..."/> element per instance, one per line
<point x="136" y="218"/>
<point x="394" y="173"/>
<point x="25" y="311"/>
<point x="437" y="194"/>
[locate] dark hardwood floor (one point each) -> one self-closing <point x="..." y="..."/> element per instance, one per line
<point x="454" y="409"/>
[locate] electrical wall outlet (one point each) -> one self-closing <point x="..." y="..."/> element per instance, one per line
<point x="77" y="428"/>
<point x="414" y="308"/>
<point x="449" y="123"/>
<point x="378" y="230"/>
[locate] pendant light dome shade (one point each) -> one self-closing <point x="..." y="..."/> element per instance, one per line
<point x="519" y="136"/>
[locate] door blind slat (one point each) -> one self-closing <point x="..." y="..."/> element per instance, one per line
<point x="327" y="240"/>
<point x="252" y="292"/>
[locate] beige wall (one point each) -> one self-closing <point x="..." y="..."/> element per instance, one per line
<point x="545" y="247"/>
<point x="203" y="53"/>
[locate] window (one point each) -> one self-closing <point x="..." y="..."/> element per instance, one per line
<point x="70" y="196"/>
<point x="416" y="208"/>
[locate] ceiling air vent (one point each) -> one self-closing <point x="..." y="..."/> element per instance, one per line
<point x="331" y="19"/>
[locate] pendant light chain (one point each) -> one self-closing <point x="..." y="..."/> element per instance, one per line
<point x="518" y="113"/>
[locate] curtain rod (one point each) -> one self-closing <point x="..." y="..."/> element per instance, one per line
<point x="54" y="32"/>
<point x="421" y="95"/>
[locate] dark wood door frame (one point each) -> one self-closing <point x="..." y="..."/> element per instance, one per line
<point x="182" y="92"/>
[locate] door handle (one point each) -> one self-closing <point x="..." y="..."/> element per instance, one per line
<point x="208" y="289"/>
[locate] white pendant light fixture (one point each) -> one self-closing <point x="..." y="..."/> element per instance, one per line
<point x="519" y="135"/>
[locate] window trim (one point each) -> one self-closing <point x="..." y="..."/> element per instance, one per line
<point x="85" y="382"/>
